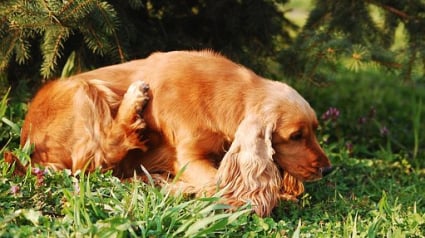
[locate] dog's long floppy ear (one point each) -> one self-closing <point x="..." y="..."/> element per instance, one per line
<point x="247" y="172"/>
<point x="291" y="187"/>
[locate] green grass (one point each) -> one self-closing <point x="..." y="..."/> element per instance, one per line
<point x="361" y="198"/>
<point x="377" y="189"/>
<point x="370" y="101"/>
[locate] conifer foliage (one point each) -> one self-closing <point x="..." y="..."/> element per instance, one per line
<point x="52" y="23"/>
<point x="354" y="33"/>
<point x="93" y="33"/>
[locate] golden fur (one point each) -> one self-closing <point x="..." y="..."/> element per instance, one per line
<point x="221" y="124"/>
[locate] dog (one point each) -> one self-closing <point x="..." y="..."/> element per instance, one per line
<point x="195" y="114"/>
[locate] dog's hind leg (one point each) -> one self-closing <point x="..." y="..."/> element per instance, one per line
<point x="110" y="139"/>
<point x="126" y="130"/>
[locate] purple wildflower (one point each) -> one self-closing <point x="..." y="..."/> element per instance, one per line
<point x="384" y="131"/>
<point x="331" y="114"/>
<point x="37" y="171"/>
<point x="15" y="189"/>
<point x="40" y="175"/>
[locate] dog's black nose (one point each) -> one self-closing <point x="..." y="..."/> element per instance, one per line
<point x="327" y="170"/>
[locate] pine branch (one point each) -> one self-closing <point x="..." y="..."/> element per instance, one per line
<point x="22" y="52"/>
<point x="391" y="9"/>
<point x="52" y="47"/>
<point x="65" y="8"/>
<point x="26" y="17"/>
<point x="6" y="49"/>
<point x="109" y="24"/>
<point x="119" y="48"/>
<point x="51" y="14"/>
<point x="80" y="10"/>
<point x="109" y="20"/>
<point x="96" y="41"/>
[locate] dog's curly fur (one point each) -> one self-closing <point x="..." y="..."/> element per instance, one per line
<point x="221" y="124"/>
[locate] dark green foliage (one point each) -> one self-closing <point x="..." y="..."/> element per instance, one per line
<point x="356" y="33"/>
<point x="244" y="30"/>
<point x="87" y="24"/>
<point x="10" y="122"/>
<point x="107" y="32"/>
<point x="378" y="113"/>
<point x="348" y="32"/>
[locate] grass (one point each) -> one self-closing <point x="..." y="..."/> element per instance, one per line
<point x="377" y="189"/>
<point x="369" y="102"/>
<point x="363" y="197"/>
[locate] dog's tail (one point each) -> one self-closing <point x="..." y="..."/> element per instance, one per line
<point x="14" y="163"/>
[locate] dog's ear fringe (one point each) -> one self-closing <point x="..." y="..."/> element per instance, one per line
<point x="291" y="187"/>
<point x="246" y="181"/>
<point x="247" y="172"/>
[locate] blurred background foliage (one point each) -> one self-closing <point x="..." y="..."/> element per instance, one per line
<point x="38" y="37"/>
<point x="41" y="34"/>
<point x="355" y="55"/>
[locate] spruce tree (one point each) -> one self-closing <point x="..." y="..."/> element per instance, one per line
<point x="354" y="33"/>
<point x="49" y="26"/>
<point x="93" y="33"/>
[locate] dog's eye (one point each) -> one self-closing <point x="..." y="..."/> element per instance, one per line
<point x="298" y="135"/>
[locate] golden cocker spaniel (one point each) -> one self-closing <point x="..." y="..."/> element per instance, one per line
<point x="219" y="123"/>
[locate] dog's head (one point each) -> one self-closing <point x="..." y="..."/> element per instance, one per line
<point x="274" y="150"/>
<point x="293" y="137"/>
